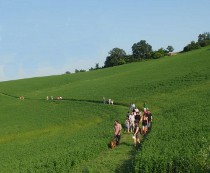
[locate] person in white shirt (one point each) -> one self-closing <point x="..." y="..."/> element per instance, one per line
<point x="132" y="119"/>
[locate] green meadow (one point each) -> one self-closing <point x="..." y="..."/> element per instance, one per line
<point x="71" y="135"/>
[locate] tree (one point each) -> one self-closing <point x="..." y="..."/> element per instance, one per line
<point x="68" y="72"/>
<point x="97" y="66"/>
<point x="91" y="69"/>
<point x="204" y="36"/>
<point x="170" y="49"/>
<point x="204" y="39"/>
<point x="141" y="50"/>
<point x="159" y="53"/>
<point x="76" y="71"/>
<point x="116" y="57"/>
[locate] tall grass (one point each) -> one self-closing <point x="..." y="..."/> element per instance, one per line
<point x="37" y="135"/>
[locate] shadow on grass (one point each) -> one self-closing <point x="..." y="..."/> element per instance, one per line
<point x="126" y="143"/>
<point x="8" y="95"/>
<point x="96" y="101"/>
<point x="68" y="99"/>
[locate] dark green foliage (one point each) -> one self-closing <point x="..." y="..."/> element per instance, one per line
<point x="141" y="50"/>
<point x="192" y="46"/>
<point x="170" y="49"/>
<point x="204" y="36"/>
<point x="68" y="72"/>
<point x="159" y="53"/>
<point x="116" y="57"/>
<point x="203" y="40"/>
<point x="204" y="43"/>
<point x="77" y="71"/>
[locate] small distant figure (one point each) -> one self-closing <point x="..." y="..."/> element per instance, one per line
<point x="145" y="107"/>
<point x="132" y="107"/>
<point x="127" y="124"/>
<point x="59" y="98"/>
<point x="51" y="97"/>
<point x="104" y="100"/>
<point x="110" y="101"/>
<point x="47" y="98"/>
<point x="21" y="97"/>
<point x="149" y="116"/>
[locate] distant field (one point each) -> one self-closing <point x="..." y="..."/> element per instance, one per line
<point x="70" y="135"/>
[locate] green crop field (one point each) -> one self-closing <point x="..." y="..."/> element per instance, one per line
<point x="71" y="135"/>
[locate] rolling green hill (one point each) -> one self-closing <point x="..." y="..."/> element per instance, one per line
<point x="71" y="135"/>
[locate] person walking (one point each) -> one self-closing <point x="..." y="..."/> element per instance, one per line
<point x="137" y="117"/>
<point x="145" y="107"/>
<point x="136" y="134"/>
<point x="132" y="119"/>
<point x="144" y="124"/>
<point x="127" y="124"/>
<point x="149" y="116"/>
<point x="104" y="100"/>
<point x="117" y="131"/>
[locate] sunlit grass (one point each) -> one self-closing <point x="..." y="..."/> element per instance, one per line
<point x="37" y="135"/>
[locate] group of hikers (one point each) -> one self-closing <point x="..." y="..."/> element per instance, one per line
<point x="138" y="122"/>
<point x="110" y="101"/>
<point x="52" y="98"/>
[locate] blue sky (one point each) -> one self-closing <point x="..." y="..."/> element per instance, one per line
<point x="50" y="37"/>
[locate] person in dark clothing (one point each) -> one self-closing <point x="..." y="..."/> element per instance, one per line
<point x="144" y="121"/>
<point x="137" y="117"/>
<point x="149" y="116"/>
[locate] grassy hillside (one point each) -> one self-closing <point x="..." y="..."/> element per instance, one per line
<point x="70" y="135"/>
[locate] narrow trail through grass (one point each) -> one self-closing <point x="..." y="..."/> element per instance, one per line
<point x="119" y="159"/>
<point x="66" y="99"/>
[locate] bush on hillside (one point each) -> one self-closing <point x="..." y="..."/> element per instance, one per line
<point x="192" y="46"/>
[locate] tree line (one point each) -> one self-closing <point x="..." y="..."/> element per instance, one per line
<point x="143" y="51"/>
<point x="203" y="40"/>
<point x="140" y="51"/>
